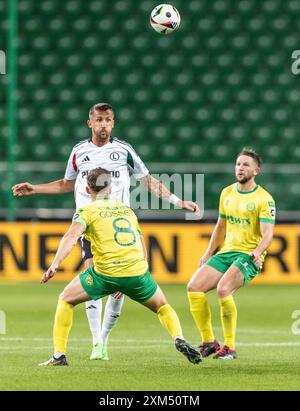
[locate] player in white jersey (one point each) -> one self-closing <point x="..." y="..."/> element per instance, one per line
<point x="102" y="150"/>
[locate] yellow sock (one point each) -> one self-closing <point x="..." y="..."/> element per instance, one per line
<point x="228" y="319"/>
<point x="62" y="325"/>
<point x="169" y="320"/>
<point x="202" y="315"/>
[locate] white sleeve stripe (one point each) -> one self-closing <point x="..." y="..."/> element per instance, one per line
<point x="137" y="160"/>
<point x="80" y="142"/>
<point x="126" y="144"/>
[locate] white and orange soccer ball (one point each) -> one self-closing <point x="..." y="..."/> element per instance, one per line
<point x="165" y="19"/>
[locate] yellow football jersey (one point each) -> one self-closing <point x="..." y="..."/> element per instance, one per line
<point x="114" y="233"/>
<point x="243" y="212"/>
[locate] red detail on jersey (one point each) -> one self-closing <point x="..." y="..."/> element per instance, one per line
<point x="118" y="295"/>
<point x="74" y="163"/>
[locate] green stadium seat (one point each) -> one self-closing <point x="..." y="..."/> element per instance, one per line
<point x="152" y="115"/>
<point x="195" y="153"/>
<point x="220" y="83"/>
<point x="170" y="152"/>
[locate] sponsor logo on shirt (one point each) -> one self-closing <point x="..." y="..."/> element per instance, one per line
<point x="236" y="220"/>
<point x="272" y="212"/>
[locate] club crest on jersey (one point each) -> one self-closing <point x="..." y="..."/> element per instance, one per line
<point x="114" y="156"/>
<point x="89" y="280"/>
<point x="251" y="207"/>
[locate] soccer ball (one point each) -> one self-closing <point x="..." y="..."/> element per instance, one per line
<point x="165" y="19"/>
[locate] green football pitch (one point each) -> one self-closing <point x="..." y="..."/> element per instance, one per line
<point x="142" y="357"/>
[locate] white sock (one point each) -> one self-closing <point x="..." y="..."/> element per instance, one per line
<point x="58" y="354"/>
<point x="111" y="314"/>
<point x="93" y="311"/>
<point x="180" y="337"/>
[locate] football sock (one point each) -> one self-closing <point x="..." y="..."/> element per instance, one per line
<point x="201" y="313"/>
<point x="93" y="311"/>
<point x="62" y="326"/>
<point x="228" y="319"/>
<point x="111" y="314"/>
<point x="169" y="320"/>
<point x="58" y="354"/>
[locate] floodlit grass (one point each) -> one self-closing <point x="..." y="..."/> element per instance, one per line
<point x="142" y="356"/>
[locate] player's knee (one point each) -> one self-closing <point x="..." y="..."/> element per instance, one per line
<point x="223" y="291"/>
<point x="157" y="303"/>
<point x="190" y="287"/>
<point x="65" y="296"/>
<point x="160" y="301"/>
<point x="193" y="287"/>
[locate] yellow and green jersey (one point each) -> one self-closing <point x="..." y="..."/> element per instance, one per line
<point x="243" y="212"/>
<point x="114" y="233"/>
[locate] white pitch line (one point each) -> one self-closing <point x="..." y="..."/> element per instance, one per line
<point x="130" y="340"/>
<point x="154" y="345"/>
<point x="134" y="340"/>
<point x="258" y="331"/>
<point x="50" y="347"/>
<point x="270" y="344"/>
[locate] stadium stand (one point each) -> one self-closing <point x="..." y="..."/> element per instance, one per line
<point x="221" y="82"/>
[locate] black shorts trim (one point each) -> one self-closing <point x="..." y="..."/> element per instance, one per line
<point x="86" y="252"/>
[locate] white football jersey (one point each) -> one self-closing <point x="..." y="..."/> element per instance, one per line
<point x="116" y="156"/>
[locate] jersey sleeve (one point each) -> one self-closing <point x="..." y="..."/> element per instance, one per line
<point x="82" y="216"/>
<point x="139" y="228"/>
<point x="222" y="213"/>
<point x="267" y="210"/>
<point x="71" y="170"/>
<point x="136" y="165"/>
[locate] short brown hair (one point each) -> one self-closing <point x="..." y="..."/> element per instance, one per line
<point x="98" y="179"/>
<point x="248" y="151"/>
<point x="100" y="107"/>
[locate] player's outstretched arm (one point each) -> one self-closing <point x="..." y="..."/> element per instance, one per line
<point x="144" y="247"/>
<point x="55" y="187"/>
<point x="160" y="190"/>
<point x="216" y="240"/>
<point x="267" y="231"/>
<point x="65" y="247"/>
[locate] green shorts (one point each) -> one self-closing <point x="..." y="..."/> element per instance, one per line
<point x="139" y="288"/>
<point x="243" y="261"/>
